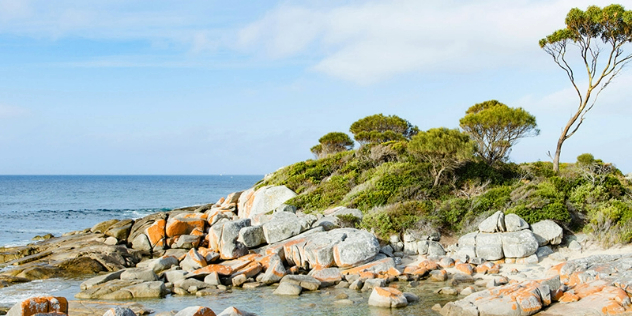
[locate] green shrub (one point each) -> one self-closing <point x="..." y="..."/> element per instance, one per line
<point x="539" y="169"/>
<point x="395" y="218"/>
<point x="587" y="194"/>
<point x="585" y="159"/>
<point x="554" y="211"/>
<point x="328" y="194"/>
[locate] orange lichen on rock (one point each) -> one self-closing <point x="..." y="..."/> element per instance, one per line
<point x="428" y="265"/>
<point x="220" y="269"/>
<point x="587" y="289"/>
<point x="393" y="272"/>
<point x="42" y="304"/>
<point x="250" y="270"/>
<point x="183" y="225"/>
<point x="156" y="232"/>
<point x="569" y="297"/>
<point x="465" y="268"/>
<point x="367" y="275"/>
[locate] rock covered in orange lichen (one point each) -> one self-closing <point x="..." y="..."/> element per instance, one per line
<point x="40" y="304"/>
<point x="387" y="297"/>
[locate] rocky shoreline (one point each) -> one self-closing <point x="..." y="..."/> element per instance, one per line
<point x="251" y="239"/>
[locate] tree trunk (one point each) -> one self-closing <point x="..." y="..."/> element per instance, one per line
<point x="436" y="181"/>
<point x="558" y="151"/>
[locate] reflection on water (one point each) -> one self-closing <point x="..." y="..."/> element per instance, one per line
<point x="260" y="301"/>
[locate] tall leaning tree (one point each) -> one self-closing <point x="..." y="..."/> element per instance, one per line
<point x="600" y="35"/>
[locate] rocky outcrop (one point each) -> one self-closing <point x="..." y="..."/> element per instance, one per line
<point x="596" y="285"/>
<point x="506" y="236"/>
<point x="547" y="232"/>
<point x="263" y="200"/>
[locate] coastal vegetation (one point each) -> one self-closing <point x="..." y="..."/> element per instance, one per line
<point x="450" y="180"/>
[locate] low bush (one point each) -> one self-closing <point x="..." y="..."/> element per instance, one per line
<point x="395" y="218"/>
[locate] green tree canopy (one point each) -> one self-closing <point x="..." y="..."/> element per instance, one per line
<point x="495" y="128"/>
<point x="332" y="143"/>
<point x="379" y="129"/>
<point x="596" y="33"/>
<point x="444" y="148"/>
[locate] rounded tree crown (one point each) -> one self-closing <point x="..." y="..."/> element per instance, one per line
<point x="380" y="128"/>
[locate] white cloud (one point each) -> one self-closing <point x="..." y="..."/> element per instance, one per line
<point x="376" y="40"/>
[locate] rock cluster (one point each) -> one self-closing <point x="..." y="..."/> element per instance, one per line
<point x="508" y="236"/>
<point x="596" y="285"/>
<point x="58" y="306"/>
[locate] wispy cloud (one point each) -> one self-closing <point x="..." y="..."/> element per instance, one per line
<point x="376" y="40"/>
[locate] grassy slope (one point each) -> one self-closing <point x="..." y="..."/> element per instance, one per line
<point x="395" y="192"/>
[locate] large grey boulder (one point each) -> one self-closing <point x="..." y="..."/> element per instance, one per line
<point x="493" y="224"/>
<point x="251" y="236"/>
<point x="489" y="246"/>
<point x="434" y="249"/>
<point x="319" y="249"/>
<point x="328" y="222"/>
<point x="514" y="223"/>
<point x="547" y="232"/>
<point x="120" y="230"/>
<point x="467" y="245"/>
<point x="143" y="274"/>
<point x="154" y="289"/>
<point x="305" y="281"/>
<point x="275" y="271"/>
<point x="283" y="225"/>
<point x="193" y="261"/>
<point x="186" y="242"/>
<point x="359" y="247"/>
<point x="87" y="284"/>
<point x="230" y="248"/>
<point x="160" y="264"/>
<point x="263" y="200"/>
<point x="519" y="244"/>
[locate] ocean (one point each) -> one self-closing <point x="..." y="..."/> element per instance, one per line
<point x="38" y="205"/>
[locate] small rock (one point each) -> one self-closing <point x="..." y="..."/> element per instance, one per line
<point x="387" y="297"/>
<point x="447" y="291"/>
<point x="288" y="289"/>
<point x="410" y="297"/>
<point x="239" y="280"/>
<point x="196" y="311"/>
<point x="575" y="246"/>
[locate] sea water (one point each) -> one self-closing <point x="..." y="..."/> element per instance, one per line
<point x="37" y="205"/>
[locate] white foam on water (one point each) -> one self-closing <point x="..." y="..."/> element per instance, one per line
<point x="16" y="293"/>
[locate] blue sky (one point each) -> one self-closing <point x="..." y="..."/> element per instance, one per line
<point x="246" y="87"/>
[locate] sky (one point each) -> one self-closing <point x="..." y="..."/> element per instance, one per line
<point x="246" y="87"/>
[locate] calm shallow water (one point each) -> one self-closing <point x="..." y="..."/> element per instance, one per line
<point x="260" y="301"/>
<point x="36" y="205"/>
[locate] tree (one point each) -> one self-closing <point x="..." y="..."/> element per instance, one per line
<point x="380" y="129"/>
<point x="592" y="32"/>
<point x="332" y="143"/>
<point x="495" y="128"/>
<point x="445" y="149"/>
